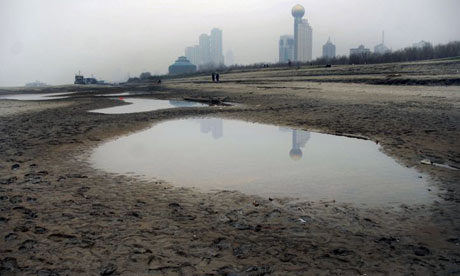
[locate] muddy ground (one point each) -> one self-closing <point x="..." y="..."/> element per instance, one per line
<point x="59" y="216"/>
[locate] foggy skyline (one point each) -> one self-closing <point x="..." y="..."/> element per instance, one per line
<point x="51" y="40"/>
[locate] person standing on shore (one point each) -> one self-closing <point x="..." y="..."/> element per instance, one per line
<point x="217" y="77"/>
<point x="213" y="77"/>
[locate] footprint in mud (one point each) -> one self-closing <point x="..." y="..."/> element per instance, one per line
<point x="10" y="237"/>
<point x="21" y="228"/>
<point x="8" y="264"/>
<point x="40" y="230"/>
<point x="47" y="272"/>
<point x="27" y="245"/>
<point x="16" y="199"/>
<point x="8" y="181"/>
<point x="108" y="269"/>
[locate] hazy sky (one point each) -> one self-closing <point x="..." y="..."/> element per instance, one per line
<point x="51" y="40"/>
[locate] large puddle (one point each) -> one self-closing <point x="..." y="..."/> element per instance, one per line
<point x="265" y="160"/>
<point x="144" y="105"/>
<point x="35" y="97"/>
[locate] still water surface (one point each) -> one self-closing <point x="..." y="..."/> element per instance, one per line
<point x="144" y="105"/>
<point x="265" y="160"/>
<point x="35" y="97"/>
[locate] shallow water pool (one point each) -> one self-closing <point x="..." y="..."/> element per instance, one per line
<point x="144" y="105"/>
<point x="35" y="97"/>
<point x="265" y="160"/>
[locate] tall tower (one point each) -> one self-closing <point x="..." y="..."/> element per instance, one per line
<point x="217" y="56"/>
<point x="286" y="48"/>
<point x="303" y="35"/>
<point x="381" y="48"/>
<point x="329" y="49"/>
<point x="205" y="49"/>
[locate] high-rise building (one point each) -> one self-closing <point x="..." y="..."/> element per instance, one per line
<point x="303" y="35"/>
<point x="192" y="54"/>
<point x="286" y="48"/>
<point x="329" y="49"/>
<point x="381" y="48"/>
<point x="216" y="53"/>
<point x="205" y="49"/>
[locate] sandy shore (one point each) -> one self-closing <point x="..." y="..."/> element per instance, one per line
<point x="62" y="217"/>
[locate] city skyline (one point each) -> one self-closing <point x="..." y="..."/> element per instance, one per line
<point x="208" y="52"/>
<point x="130" y="38"/>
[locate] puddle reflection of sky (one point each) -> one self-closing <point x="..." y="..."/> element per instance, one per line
<point x="264" y="160"/>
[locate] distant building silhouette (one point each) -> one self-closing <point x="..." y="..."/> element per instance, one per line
<point x="303" y="35"/>
<point x="286" y="48"/>
<point x="36" y="83"/>
<point x="193" y="54"/>
<point x="80" y="79"/>
<point x="421" y="44"/>
<point x="182" y="66"/>
<point x="217" y="57"/>
<point x="360" y="50"/>
<point x="209" y="51"/>
<point x="328" y="49"/>
<point x="381" y="48"/>
<point x="205" y="48"/>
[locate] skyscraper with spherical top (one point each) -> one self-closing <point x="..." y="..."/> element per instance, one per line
<point x="303" y="35"/>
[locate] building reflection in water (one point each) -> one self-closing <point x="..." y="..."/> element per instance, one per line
<point x="299" y="140"/>
<point x="214" y="126"/>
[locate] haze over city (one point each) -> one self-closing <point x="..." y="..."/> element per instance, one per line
<point x="52" y="40"/>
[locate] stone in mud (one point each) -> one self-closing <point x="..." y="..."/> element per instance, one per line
<point x="426" y="162"/>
